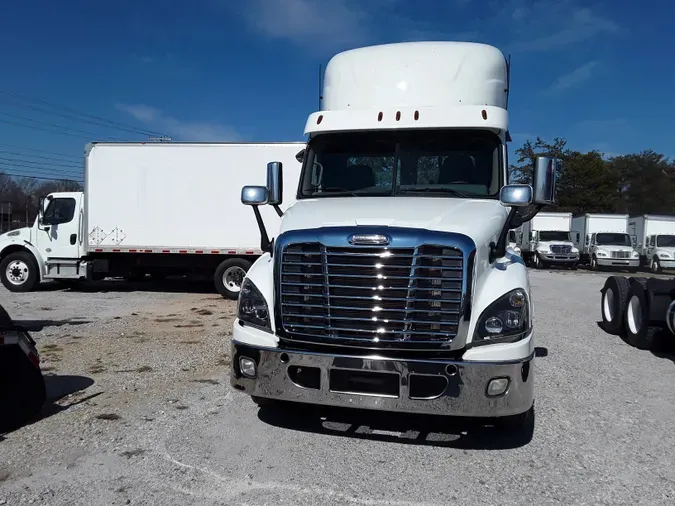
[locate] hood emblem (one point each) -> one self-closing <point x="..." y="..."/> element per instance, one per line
<point x="369" y="239"/>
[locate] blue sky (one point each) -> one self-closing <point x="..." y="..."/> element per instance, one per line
<point x="598" y="74"/>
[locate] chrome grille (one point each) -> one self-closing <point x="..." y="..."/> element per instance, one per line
<point x="561" y="249"/>
<point x="371" y="294"/>
<point x="620" y="254"/>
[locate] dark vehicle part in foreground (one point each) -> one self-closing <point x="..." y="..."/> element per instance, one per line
<point x="641" y="310"/>
<point x="22" y="386"/>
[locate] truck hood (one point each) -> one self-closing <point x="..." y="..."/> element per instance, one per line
<point x="479" y="219"/>
<point x="614" y="247"/>
<point x="18" y="235"/>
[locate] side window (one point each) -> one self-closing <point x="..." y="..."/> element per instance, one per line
<point x="60" y="210"/>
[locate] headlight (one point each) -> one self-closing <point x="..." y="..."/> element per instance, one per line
<point x="252" y="308"/>
<point x="506" y="320"/>
<point x="635" y="254"/>
<point x="663" y="254"/>
<point x="601" y="253"/>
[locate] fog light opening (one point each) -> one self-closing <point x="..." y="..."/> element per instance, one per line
<point x="247" y="366"/>
<point x="451" y="370"/>
<point x="497" y="387"/>
<point x="284" y="358"/>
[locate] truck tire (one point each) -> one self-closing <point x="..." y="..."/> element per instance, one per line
<point x="22" y="388"/>
<point x="636" y="320"/>
<point x="655" y="266"/>
<point x="613" y="303"/>
<point x="594" y="263"/>
<point x="19" y="272"/>
<point x="229" y="275"/>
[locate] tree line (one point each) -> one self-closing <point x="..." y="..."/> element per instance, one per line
<point x="639" y="183"/>
<point x="21" y="195"/>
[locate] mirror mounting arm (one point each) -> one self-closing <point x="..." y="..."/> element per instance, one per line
<point x="265" y="243"/>
<point x="499" y="250"/>
<point x="280" y="213"/>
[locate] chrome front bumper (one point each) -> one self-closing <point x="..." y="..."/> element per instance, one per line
<point x="618" y="262"/>
<point x="438" y="387"/>
<point x="558" y="259"/>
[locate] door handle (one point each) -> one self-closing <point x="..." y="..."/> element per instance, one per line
<point x="73" y="239"/>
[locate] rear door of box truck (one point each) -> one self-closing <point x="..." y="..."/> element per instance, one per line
<point x="162" y="197"/>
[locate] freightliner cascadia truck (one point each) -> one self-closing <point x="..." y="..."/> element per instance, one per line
<point x="389" y="285"/>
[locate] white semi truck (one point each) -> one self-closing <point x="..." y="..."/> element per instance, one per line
<point x="604" y="241"/>
<point x="389" y="285"/>
<point x="547" y="241"/>
<point x="150" y="208"/>
<point x="654" y="239"/>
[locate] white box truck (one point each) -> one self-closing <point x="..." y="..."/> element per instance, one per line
<point x="389" y="284"/>
<point x="514" y="240"/>
<point x="654" y="238"/>
<point x="150" y="208"/>
<point x="547" y="241"/>
<point x="604" y="241"/>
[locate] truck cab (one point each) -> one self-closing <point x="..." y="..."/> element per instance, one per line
<point x="390" y="285"/>
<point x="660" y="251"/>
<point x="611" y="249"/>
<point x="553" y="247"/>
<point x="29" y="255"/>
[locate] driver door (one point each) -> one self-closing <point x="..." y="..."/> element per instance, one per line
<point x="59" y="232"/>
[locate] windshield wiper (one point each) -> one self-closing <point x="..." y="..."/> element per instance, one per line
<point x="436" y="190"/>
<point x="332" y="189"/>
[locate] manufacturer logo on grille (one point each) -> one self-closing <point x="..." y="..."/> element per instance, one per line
<point x="373" y="239"/>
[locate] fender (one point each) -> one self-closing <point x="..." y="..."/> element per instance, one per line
<point x="12" y="244"/>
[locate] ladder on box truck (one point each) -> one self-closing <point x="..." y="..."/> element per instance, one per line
<point x="150" y="208"/>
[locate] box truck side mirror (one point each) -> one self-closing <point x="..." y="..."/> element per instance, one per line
<point x="544" y="180"/>
<point x="516" y="195"/>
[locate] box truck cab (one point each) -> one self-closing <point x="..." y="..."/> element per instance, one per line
<point x="548" y="240"/>
<point x="604" y="241"/>
<point x="389" y="285"/>
<point x="654" y="239"/>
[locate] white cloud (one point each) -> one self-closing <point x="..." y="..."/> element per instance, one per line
<point x="204" y="131"/>
<point x="574" y="78"/>
<point x="309" y="22"/>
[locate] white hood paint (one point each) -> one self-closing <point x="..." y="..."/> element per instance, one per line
<point x="479" y="219"/>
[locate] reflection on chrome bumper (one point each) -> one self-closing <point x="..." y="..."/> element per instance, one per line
<point x="563" y="259"/>
<point x="618" y="262"/>
<point x="441" y="387"/>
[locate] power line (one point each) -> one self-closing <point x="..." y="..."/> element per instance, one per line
<point x="40" y="177"/>
<point x="46" y="129"/>
<point x="37" y="150"/>
<point x="14" y="116"/>
<point x="73" y="111"/>
<point x="54" y="164"/>
<point x="20" y="166"/>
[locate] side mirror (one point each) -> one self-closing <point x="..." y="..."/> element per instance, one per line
<point x="275" y="183"/>
<point x="516" y="195"/>
<point x="254" y="195"/>
<point x="300" y="155"/>
<point x="544" y="180"/>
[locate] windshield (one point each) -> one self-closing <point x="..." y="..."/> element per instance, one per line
<point x="512" y="236"/>
<point x="554" y="235"/>
<point x="665" y="241"/>
<point x="420" y="162"/>
<point x="616" y="239"/>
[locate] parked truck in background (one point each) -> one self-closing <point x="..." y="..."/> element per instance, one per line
<point x="547" y="241"/>
<point x="389" y="285"/>
<point x="150" y="208"/>
<point x="654" y="240"/>
<point x="515" y="238"/>
<point x="604" y="241"/>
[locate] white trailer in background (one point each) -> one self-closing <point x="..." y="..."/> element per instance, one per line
<point x="152" y="208"/>
<point x="654" y="238"/>
<point x="547" y="240"/>
<point x="604" y="241"/>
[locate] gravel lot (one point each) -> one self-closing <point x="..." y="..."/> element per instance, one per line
<point x="141" y="412"/>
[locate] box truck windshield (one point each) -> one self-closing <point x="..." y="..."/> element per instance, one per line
<point x="426" y="163"/>
<point x="665" y="241"/>
<point x="613" y="239"/>
<point x="554" y="235"/>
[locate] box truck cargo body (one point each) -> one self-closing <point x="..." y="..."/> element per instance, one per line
<point x="151" y="208"/>
<point x="547" y="240"/>
<point x="654" y="237"/>
<point x="390" y="284"/>
<point x="604" y="241"/>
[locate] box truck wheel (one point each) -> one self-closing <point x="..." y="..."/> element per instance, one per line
<point x="613" y="303"/>
<point x="19" y="271"/>
<point x="656" y="265"/>
<point x="229" y="276"/>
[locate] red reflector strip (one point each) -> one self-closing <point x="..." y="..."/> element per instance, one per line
<point x="148" y="251"/>
<point x="182" y="251"/>
<point x="116" y="250"/>
<point x="132" y="251"/>
<point x="166" y="251"/>
<point x="215" y="251"/>
<point x="98" y="250"/>
<point x="249" y="252"/>
<point x="199" y="251"/>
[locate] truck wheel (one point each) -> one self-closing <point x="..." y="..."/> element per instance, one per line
<point x="229" y="276"/>
<point x="655" y="266"/>
<point x="613" y="303"/>
<point x="636" y="319"/>
<point x="594" y="263"/>
<point x="538" y="264"/>
<point x="19" y="272"/>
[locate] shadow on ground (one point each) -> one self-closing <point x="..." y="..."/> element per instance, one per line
<point x="112" y="285"/>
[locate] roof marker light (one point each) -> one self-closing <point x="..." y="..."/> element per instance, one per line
<point x="417" y="115"/>
<point x="484" y="114"/>
<point x="398" y="115"/>
<point x="379" y="116"/>
<point x="319" y="119"/>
